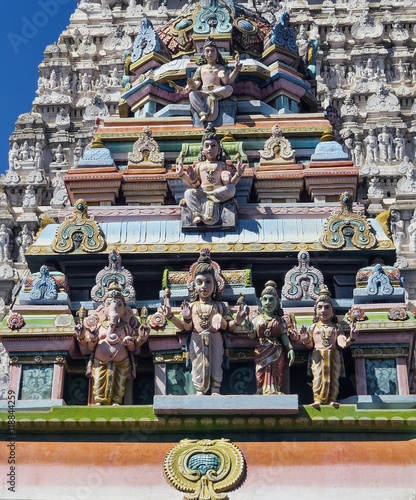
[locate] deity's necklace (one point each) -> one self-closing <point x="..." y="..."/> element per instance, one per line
<point x="210" y="172"/>
<point x="204" y="318"/>
<point x="268" y="331"/>
<point x="326" y="335"/>
<point x="210" y="68"/>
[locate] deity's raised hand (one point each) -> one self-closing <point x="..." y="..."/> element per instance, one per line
<point x="304" y="335"/>
<point x="242" y="313"/>
<point x="186" y="310"/>
<point x="240" y="166"/>
<point x="238" y="64"/>
<point x="192" y="174"/>
<point x="144" y="331"/>
<point x="179" y="165"/>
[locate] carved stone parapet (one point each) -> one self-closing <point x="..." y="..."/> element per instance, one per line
<point x="144" y="189"/>
<point x="279" y="186"/>
<point x="100" y="186"/>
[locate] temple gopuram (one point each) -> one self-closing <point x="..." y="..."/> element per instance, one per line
<point x="207" y="256"/>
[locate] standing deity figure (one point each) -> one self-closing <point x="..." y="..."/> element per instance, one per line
<point x="211" y="182"/>
<point x="371" y="146"/>
<point x="24" y="240"/>
<point x="385" y="145"/>
<point x="203" y="317"/>
<point x="349" y="144"/>
<point x="13" y="157"/>
<point x="53" y="81"/>
<point x="78" y="152"/>
<point x="397" y="230"/>
<point x="389" y="73"/>
<point x="412" y="233"/>
<point x="358" y="151"/>
<point x="274" y="350"/>
<point x="325" y="337"/>
<point x="112" y="334"/>
<point x="38" y="156"/>
<point x="413" y="72"/>
<point x="215" y="81"/>
<point x="4" y="242"/>
<point x="399" y="144"/>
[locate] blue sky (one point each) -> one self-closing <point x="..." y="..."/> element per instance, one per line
<point x="28" y="26"/>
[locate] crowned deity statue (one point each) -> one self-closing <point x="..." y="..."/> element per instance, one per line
<point x="112" y="334"/>
<point x="273" y="351"/>
<point x="215" y="80"/>
<point x="325" y="337"/>
<point x="204" y="317"/>
<point x="211" y="180"/>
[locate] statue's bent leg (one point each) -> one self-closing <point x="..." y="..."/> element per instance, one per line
<point x="212" y="100"/>
<point x="199" y="101"/>
<point x="194" y="200"/>
<point x="224" y="193"/>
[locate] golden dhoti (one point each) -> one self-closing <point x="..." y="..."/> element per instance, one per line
<point x="110" y="381"/>
<point x="326" y="369"/>
<point x="207" y="352"/>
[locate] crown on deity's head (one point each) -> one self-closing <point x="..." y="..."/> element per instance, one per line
<point x="210" y="42"/>
<point x="114" y="291"/>
<point x="324" y="295"/>
<point x="270" y="288"/>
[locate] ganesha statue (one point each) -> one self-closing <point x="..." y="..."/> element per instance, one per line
<point x="112" y="334"/>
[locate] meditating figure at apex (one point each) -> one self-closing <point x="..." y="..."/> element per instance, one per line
<point x="212" y="182"/>
<point x="215" y="80"/>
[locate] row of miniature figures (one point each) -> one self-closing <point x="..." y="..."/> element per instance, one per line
<point x="112" y="333"/>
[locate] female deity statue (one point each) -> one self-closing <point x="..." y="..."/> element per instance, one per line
<point x="325" y="336"/>
<point x="204" y="316"/>
<point x="112" y="334"/>
<point x="273" y="350"/>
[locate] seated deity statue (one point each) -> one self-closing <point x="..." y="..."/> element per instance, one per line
<point x="211" y="182"/>
<point x="112" y="334"/>
<point x="204" y="317"/>
<point x="215" y="81"/>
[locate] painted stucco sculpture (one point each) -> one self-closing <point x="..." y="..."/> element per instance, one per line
<point x="212" y="183"/>
<point x="356" y="226"/>
<point x="273" y="351"/>
<point x="206" y="469"/>
<point x="79" y="230"/>
<point x="214" y="80"/>
<point x="112" y="334"/>
<point x="204" y="317"/>
<point x="325" y="337"/>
